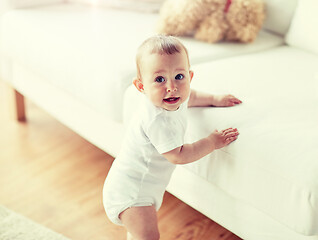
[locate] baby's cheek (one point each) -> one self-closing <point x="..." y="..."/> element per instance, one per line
<point x="157" y="95"/>
<point x="187" y="90"/>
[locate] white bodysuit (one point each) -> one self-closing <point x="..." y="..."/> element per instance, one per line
<point x="140" y="174"/>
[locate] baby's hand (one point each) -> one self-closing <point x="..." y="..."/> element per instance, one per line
<point x="224" y="137"/>
<point x="225" y="101"/>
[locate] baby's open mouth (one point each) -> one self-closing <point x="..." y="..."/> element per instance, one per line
<point x="171" y="100"/>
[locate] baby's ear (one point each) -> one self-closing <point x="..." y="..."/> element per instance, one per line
<point x="191" y="75"/>
<point x="138" y="84"/>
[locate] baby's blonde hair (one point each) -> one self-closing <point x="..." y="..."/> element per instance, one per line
<point x="159" y="44"/>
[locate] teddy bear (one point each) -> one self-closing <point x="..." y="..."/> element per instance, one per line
<point x="212" y="20"/>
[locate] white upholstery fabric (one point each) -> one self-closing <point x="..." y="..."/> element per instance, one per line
<point x="273" y="164"/>
<point x="279" y="14"/>
<point x="29" y="3"/>
<point x="7" y="5"/>
<point x="93" y="126"/>
<point x="90" y="52"/>
<point x="303" y="32"/>
<point x="235" y="214"/>
<point x="202" y="51"/>
<point x="150" y="6"/>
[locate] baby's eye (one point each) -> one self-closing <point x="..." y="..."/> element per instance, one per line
<point x="160" y="79"/>
<point x="179" y="76"/>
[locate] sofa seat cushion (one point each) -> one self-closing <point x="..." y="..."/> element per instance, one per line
<point x="90" y="52"/>
<point x="273" y="164"/>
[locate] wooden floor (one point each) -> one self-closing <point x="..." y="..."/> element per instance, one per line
<point x="53" y="176"/>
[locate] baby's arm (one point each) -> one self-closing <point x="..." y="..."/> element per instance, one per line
<point x="192" y="152"/>
<point x="199" y="99"/>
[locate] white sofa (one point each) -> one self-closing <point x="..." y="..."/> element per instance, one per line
<point x="76" y="61"/>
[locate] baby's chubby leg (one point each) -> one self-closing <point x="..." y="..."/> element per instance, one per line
<point x="141" y="223"/>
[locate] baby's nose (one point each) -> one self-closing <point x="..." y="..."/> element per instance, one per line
<point x="171" y="87"/>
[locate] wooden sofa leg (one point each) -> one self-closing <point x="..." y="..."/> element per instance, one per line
<point x="19" y="107"/>
<point x="16" y="104"/>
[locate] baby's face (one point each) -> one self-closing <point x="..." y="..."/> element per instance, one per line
<point x="166" y="79"/>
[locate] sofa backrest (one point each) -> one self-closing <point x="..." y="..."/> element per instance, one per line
<point x="151" y="6"/>
<point x="28" y="3"/>
<point x="303" y="32"/>
<point x="279" y="14"/>
<point x="6" y="5"/>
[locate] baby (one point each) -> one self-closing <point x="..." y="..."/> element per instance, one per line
<point x="154" y="143"/>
